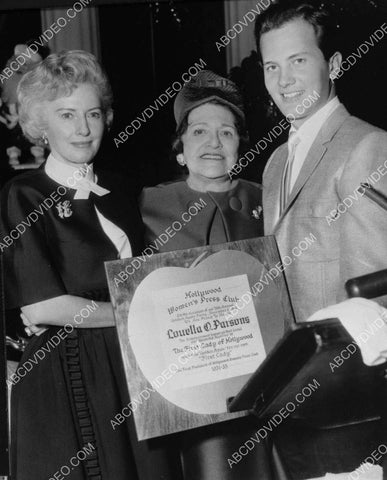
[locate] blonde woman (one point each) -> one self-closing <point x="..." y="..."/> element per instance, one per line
<point x="55" y="274"/>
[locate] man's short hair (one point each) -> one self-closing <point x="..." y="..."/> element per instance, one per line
<point x="319" y="17"/>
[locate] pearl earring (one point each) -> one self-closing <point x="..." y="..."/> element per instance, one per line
<point x="180" y="160"/>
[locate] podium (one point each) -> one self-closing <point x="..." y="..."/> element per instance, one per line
<point x="314" y="386"/>
<point x="317" y="367"/>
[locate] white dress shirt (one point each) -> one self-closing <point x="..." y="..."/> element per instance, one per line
<point x="72" y="176"/>
<point x="307" y="134"/>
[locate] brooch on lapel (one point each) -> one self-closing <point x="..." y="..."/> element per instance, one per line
<point x="64" y="209"/>
<point x="257" y="212"/>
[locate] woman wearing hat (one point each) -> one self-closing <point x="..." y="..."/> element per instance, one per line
<point x="210" y="135"/>
<point x="60" y="223"/>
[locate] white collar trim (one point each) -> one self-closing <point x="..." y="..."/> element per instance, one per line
<point x="65" y="174"/>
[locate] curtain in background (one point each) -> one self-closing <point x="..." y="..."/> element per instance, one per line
<point x="79" y="32"/>
<point x="241" y="46"/>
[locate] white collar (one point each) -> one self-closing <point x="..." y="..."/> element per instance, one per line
<point x="310" y="128"/>
<point x="65" y="174"/>
<point x="80" y="178"/>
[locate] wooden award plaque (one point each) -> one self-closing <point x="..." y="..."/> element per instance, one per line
<point x="193" y="326"/>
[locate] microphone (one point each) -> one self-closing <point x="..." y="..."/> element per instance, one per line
<point x="368" y="286"/>
<point x="374" y="284"/>
<point x="374" y="195"/>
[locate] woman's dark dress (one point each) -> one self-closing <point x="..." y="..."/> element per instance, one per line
<point x="68" y="398"/>
<point x="215" y="217"/>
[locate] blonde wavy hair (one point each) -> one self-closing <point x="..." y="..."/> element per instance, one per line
<point x="58" y="75"/>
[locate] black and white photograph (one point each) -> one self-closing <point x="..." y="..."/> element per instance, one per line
<point x="193" y="240"/>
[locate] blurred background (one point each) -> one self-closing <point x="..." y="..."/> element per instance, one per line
<point x="146" y="46"/>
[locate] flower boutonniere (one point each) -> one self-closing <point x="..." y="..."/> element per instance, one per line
<point x="64" y="209"/>
<point x="256" y="213"/>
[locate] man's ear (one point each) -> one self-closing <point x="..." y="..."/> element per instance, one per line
<point x="19" y="49"/>
<point x="335" y="65"/>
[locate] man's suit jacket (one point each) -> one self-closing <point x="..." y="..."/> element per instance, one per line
<point x="343" y="234"/>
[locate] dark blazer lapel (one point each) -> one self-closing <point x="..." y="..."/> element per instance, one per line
<point x="316" y="152"/>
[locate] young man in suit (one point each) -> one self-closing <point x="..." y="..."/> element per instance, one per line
<point x="312" y="187"/>
<point x="334" y="153"/>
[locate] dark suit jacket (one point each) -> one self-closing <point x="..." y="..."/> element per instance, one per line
<point x="346" y="231"/>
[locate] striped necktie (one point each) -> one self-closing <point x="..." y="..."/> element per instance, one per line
<point x="287" y="173"/>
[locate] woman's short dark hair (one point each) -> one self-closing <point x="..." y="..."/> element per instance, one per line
<point x="319" y="17"/>
<point x="240" y="125"/>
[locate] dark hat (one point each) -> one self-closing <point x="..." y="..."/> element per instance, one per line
<point x="203" y="88"/>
